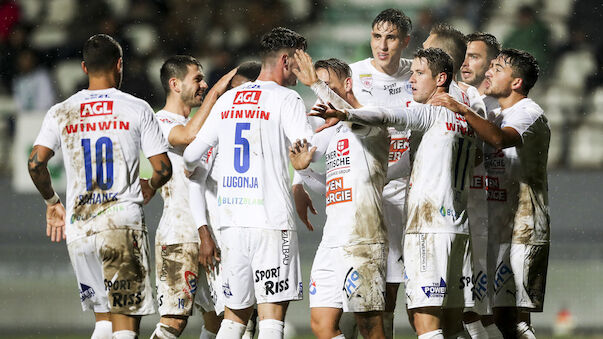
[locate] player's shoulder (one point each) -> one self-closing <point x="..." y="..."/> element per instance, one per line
<point x="527" y="106"/>
<point x="130" y="99"/>
<point x="361" y="66"/>
<point x="169" y="118"/>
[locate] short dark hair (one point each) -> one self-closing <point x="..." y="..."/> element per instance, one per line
<point x="176" y="67"/>
<point x="524" y="66"/>
<point x="492" y="44"/>
<point x="249" y="69"/>
<point x="452" y="42"/>
<point x="438" y="61"/>
<point x="101" y="53"/>
<point x="340" y="68"/>
<point x="397" y="18"/>
<point x="281" y="38"/>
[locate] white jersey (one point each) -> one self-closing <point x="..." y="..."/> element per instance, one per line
<point x="100" y="134"/>
<point x="517" y="176"/>
<point x="374" y="88"/>
<point x="176" y="225"/>
<point x="439" y="181"/>
<point x="254" y="124"/>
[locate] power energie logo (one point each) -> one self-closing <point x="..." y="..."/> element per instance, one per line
<point x="336" y="193"/>
<point x="94" y="108"/>
<point x="247" y="97"/>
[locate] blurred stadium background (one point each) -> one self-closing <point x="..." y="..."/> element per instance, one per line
<point x="40" y="42"/>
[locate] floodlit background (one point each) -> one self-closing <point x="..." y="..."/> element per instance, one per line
<point x="40" y="43"/>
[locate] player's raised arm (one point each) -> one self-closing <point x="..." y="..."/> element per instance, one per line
<point x="497" y="137"/>
<point x="55" y="211"/>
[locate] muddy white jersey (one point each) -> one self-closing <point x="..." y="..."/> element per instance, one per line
<point x="443" y="164"/>
<point x="374" y="88"/>
<point x="100" y="134"/>
<point x="176" y="225"/>
<point x="517" y="176"/>
<point x="254" y="124"/>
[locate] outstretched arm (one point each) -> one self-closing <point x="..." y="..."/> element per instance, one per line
<point x="497" y="137"/>
<point x="55" y="211"/>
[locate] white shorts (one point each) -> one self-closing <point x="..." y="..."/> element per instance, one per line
<point x="520" y="277"/>
<point x="395" y="220"/>
<point x="478" y="271"/>
<point x="434" y="265"/>
<point x="209" y="294"/>
<point x="177" y="268"/>
<point x="259" y="266"/>
<point x="112" y="271"/>
<point x="350" y="277"/>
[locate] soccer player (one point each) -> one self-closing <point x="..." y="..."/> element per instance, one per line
<point x="252" y="125"/>
<point x="247" y="71"/>
<point x="100" y="131"/>
<point x="453" y="42"/>
<point x="436" y="231"/>
<point x="177" y="253"/>
<point x="517" y="188"/>
<point x="482" y="48"/>
<point x="383" y="80"/>
<point x="348" y="272"/>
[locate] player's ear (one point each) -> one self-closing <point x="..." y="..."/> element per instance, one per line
<point x="174" y="85"/>
<point x="120" y="64"/>
<point x="84" y="68"/>
<point x="516" y="84"/>
<point x="348" y="84"/>
<point x="441" y="79"/>
<point x="285" y="60"/>
<point x="405" y="41"/>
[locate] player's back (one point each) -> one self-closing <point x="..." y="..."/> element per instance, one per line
<point x="254" y="124"/>
<point x="440" y="176"/>
<point x="101" y="133"/>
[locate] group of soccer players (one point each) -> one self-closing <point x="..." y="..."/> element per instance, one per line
<point x="428" y="181"/>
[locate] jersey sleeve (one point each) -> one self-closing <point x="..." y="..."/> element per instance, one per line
<point x="166" y="125"/>
<point x="49" y="135"/>
<point x="418" y="117"/>
<point x="315" y="181"/>
<point x="193" y="153"/>
<point x="294" y="120"/>
<point x="196" y="193"/>
<point x="520" y="120"/>
<point x="152" y="140"/>
<point x="327" y="95"/>
<point x="209" y="131"/>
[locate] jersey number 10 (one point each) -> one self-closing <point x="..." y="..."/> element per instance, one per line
<point x="103" y="181"/>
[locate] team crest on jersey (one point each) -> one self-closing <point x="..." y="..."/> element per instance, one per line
<point x="96" y="108"/>
<point x="408" y="88"/>
<point x="367" y="81"/>
<point x="247" y="97"/>
<point x="343" y="147"/>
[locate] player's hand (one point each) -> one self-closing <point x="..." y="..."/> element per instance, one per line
<point x="304" y="71"/>
<point x="444" y="99"/>
<point x="299" y="154"/>
<point x="209" y="253"/>
<point x="222" y="85"/>
<point x="55" y="222"/>
<point x="302" y="204"/>
<point x="328" y="112"/>
<point x="147" y="191"/>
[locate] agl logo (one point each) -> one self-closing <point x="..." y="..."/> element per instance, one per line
<point x="94" y="108"/>
<point x="247" y="97"/>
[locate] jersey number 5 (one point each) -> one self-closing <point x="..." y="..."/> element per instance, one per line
<point x="103" y="181"/>
<point x="241" y="154"/>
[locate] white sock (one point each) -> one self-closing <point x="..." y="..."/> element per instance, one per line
<point x="230" y="329"/>
<point x="271" y="329"/>
<point x="341" y="336"/>
<point x="388" y="324"/>
<point x="348" y="326"/>
<point x="476" y="330"/>
<point x="437" y="334"/>
<point x="458" y="335"/>
<point x="103" y="329"/>
<point x="164" y="331"/>
<point x="205" y="334"/>
<point x="493" y="332"/>
<point x="525" y="331"/>
<point x="124" y="334"/>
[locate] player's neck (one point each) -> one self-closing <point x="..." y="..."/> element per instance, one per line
<point x="176" y="106"/>
<point x="351" y="99"/>
<point x="103" y="81"/>
<point x="511" y="100"/>
<point x="390" y="69"/>
<point x="272" y="74"/>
